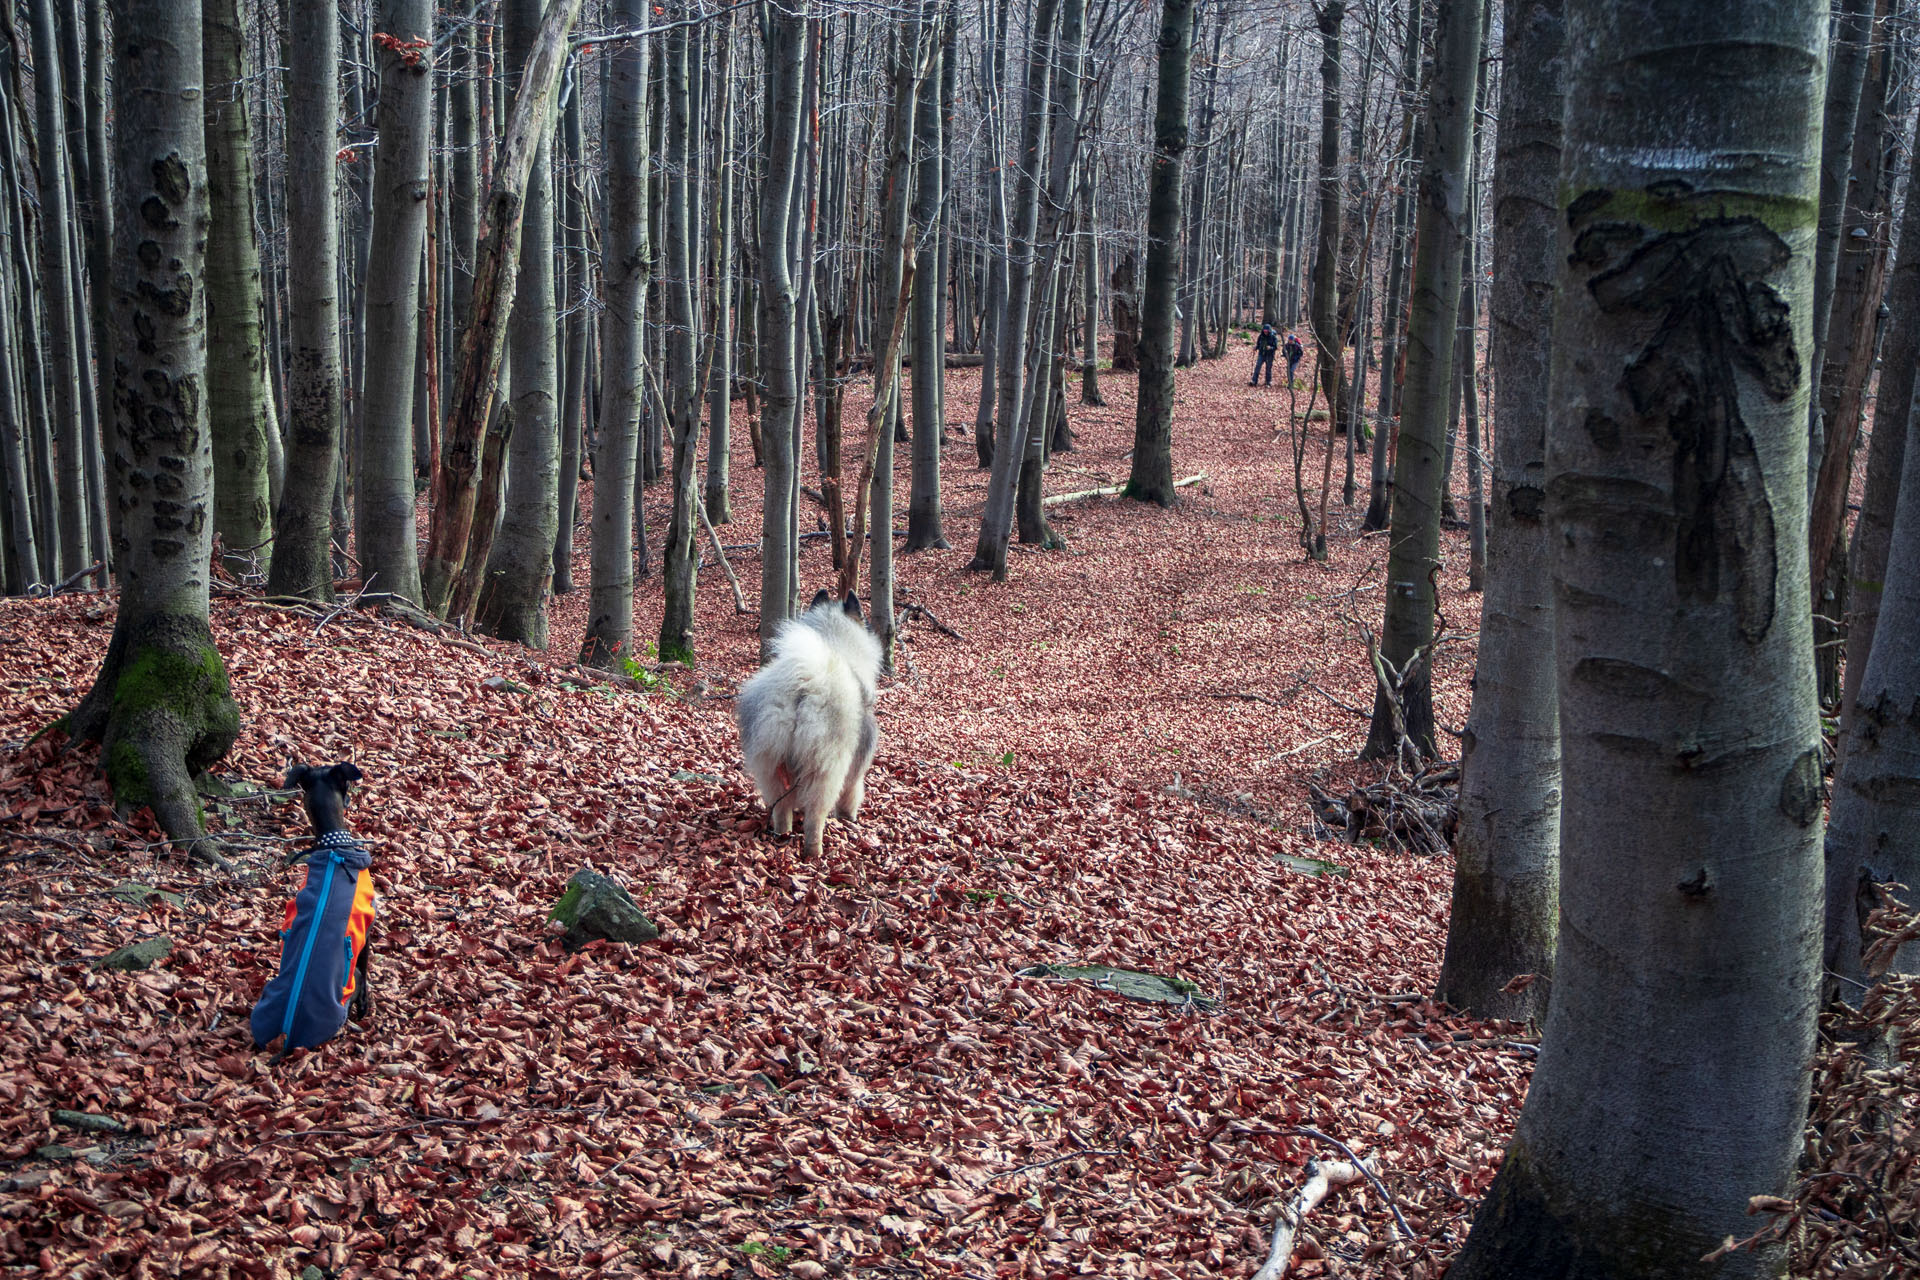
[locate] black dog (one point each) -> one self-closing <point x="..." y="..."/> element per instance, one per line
<point x="324" y="949"/>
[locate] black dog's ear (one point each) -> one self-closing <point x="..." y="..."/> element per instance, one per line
<point x="298" y="775"/>
<point x="851" y="606"/>
<point x="343" y="773"/>
<point x="820" y="598"/>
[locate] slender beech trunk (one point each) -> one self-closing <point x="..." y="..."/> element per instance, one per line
<point x="780" y="189"/>
<point x="240" y="403"/>
<point x="681" y="556"/>
<point x="994" y="294"/>
<point x="1413" y="557"/>
<point x="1328" y="337"/>
<point x="22" y="567"/>
<point x="573" y="302"/>
<point x="161" y="707"/>
<point x="929" y="343"/>
<point x="996" y="521"/>
<point x="626" y="259"/>
<point x="1399" y="250"/>
<point x="457" y="542"/>
<point x="1190" y="291"/>
<point x="1151" y="477"/>
<point x="383" y="517"/>
<point x="56" y="278"/>
<point x="1672" y="1083"/>
<point x="1847" y="54"/>
<point x="1089" y="291"/>
<point x="303" y="522"/>
<point x="720" y="356"/>
<point x="1506" y="877"/>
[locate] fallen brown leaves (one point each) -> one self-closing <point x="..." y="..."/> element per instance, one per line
<point x="818" y="1070"/>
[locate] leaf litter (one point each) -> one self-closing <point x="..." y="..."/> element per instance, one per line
<point x="830" y="1069"/>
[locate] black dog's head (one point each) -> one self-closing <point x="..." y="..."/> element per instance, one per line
<point x="325" y="791"/>
<point x="850" y="606"/>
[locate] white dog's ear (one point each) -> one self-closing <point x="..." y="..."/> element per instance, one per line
<point x="820" y="598"/>
<point x="851" y="605"/>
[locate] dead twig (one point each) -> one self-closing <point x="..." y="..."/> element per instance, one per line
<point x="1322" y="1179"/>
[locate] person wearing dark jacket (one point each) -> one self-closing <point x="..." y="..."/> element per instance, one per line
<point x="1263" y="348"/>
<point x="1294" y="351"/>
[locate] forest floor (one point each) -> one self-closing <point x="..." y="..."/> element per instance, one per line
<point x="819" y="1069"/>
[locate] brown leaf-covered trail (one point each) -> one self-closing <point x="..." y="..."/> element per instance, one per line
<point x="818" y="1070"/>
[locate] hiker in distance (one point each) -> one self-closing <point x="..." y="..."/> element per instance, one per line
<point x="1263" y="348"/>
<point x="1294" y="351"/>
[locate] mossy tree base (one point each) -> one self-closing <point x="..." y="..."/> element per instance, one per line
<point x="163" y="712"/>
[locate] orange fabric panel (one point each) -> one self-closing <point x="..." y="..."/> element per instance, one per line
<point x="358" y="921"/>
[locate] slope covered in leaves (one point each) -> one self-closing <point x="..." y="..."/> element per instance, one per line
<point x="831" y="1069"/>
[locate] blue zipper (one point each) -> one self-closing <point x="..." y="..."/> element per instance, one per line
<point x="306" y="952"/>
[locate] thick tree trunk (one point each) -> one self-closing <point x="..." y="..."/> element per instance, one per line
<point x="1506" y="878"/>
<point x="240" y="403"/>
<point x="626" y="259"/>
<point x="1151" y="477"/>
<point x="780" y="346"/>
<point x="457" y="543"/>
<point x="1406" y="633"/>
<point x="1672" y="1084"/>
<point x="161" y="707"/>
<point x="383" y="517"/>
<point x="303" y="523"/>
<point x="680" y="559"/>
<point x="573" y="298"/>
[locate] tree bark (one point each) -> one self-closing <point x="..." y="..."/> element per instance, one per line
<point x="785" y="40"/>
<point x="626" y="258"/>
<point x="1506" y="879"/>
<point x="161" y="707"/>
<point x="383" y="517"/>
<point x="303" y="523"/>
<point x="1672" y="1084"/>
<point x="720" y="354"/>
<point x="1406" y="633"/>
<point x="457" y="543"/>
<point x="240" y="403"/>
<point x="1328" y="338"/>
<point x="680" y="559"/>
<point x="1151" y="477"/>
<point x="924" y="514"/>
<point x="56" y="284"/>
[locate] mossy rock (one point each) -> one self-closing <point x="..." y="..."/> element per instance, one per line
<point x="595" y="907"/>
<point x="140" y="955"/>
<point x="1131" y="983"/>
<point x="1311" y="866"/>
<point x="87" y="1121"/>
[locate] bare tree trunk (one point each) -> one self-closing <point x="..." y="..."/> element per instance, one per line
<point x="1672" y="1080"/>
<point x="303" y="523"/>
<point x="780" y="191"/>
<point x="457" y="543"/>
<point x="626" y="257"/>
<point x="720" y="357"/>
<point x="383" y="517"/>
<point x="924" y="529"/>
<point x="161" y="707"/>
<point x="56" y="282"/>
<point x="1151" y="478"/>
<point x="573" y="301"/>
<point x="1089" y="294"/>
<point x="1329" y="341"/>
<point x="1406" y="633"/>
<point x="1506" y="878"/>
<point x="681" y="556"/>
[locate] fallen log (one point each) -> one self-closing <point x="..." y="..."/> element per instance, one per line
<point x="1107" y="491"/>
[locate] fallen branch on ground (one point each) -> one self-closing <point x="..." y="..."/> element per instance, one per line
<point x="1108" y="491"/>
<point x="1322" y="1179"/>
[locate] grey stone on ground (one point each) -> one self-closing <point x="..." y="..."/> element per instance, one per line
<point x="1131" y="983"/>
<point x="141" y="954"/>
<point x="595" y="907"/>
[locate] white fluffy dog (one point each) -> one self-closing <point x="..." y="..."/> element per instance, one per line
<point x="806" y="718"/>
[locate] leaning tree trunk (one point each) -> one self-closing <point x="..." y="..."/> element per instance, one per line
<point x="1403" y="716"/>
<point x="1328" y="340"/>
<point x="161" y="707"/>
<point x="303" y="523"/>
<point x="383" y="520"/>
<point x="1506" y="878"/>
<point x="513" y="600"/>
<point x="626" y="260"/>
<point x="240" y="401"/>
<point x="785" y="38"/>
<point x="1672" y="1084"/>
<point x="680" y="559"/>
<point x="1151" y="478"/>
